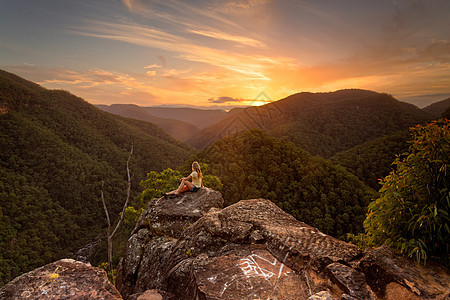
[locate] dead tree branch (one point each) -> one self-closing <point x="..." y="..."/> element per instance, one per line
<point x="108" y="220"/>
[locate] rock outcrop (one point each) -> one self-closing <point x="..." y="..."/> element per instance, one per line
<point x="191" y="249"/>
<point x="148" y="252"/>
<point x="389" y="273"/>
<point x="63" y="279"/>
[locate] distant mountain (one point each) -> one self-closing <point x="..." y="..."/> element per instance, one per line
<point x="372" y="160"/>
<point x="321" y="123"/>
<point x="438" y="108"/>
<point x="446" y="113"/>
<point x="200" y="118"/>
<point x="55" y="151"/>
<point x="252" y="164"/>
<point x="178" y="129"/>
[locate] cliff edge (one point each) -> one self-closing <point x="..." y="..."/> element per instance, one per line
<point x="191" y="249"/>
<point x="187" y="247"/>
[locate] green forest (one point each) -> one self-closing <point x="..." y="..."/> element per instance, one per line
<point x="56" y="150"/>
<point x="325" y="165"/>
<point x="253" y="164"/>
<point x="322" y="123"/>
<point x="412" y="211"/>
<point x="372" y="160"/>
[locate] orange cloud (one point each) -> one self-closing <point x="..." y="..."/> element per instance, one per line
<point x="227" y="37"/>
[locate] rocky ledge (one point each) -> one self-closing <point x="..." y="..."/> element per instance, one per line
<point x="63" y="279"/>
<point x="189" y="248"/>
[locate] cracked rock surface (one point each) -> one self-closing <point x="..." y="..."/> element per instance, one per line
<point x="189" y="248"/>
<point x="63" y="279"/>
<point x="254" y="250"/>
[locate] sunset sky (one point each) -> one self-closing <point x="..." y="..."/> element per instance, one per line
<point x="225" y="53"/>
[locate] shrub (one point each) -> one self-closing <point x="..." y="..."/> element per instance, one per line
<point x="411" y="213"/>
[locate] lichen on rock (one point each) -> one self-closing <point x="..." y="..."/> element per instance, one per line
<point x="63" y="279"/>
<point x="251" y="250"/>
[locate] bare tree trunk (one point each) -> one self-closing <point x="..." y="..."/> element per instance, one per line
<point x="110" y="267"/>
<point x="108" y="220"/>
<point x="108" y="235"/>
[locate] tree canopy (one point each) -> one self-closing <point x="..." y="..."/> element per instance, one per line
<point x="412" y="212"/>
<point x="55" y="151"/>
<point x="253" y="164"/>
<point x="373" y="160"/>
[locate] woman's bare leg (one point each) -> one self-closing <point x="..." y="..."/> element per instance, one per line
<point x="185" y="185"/>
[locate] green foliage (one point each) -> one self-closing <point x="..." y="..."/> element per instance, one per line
<point x="157" y="183"/>
<point x="359" y="240"/>
<point x="323" y="123"/>
<point x="212" y="182"/>
<point x="55" y="151"/>
<point x="347" y="119"/>
<point x="31" y="233"/>
<point x="412" y="212"/>
<point x="112" y="275"/>
<point x="253" y="164"/>
<point x="132" y="215"/>
<point x="169" y="180"/>
<point x="372" y="160"/>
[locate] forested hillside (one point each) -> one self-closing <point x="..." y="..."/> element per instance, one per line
<point x="322" y="123"/>
<point x="176" y="128"/>
<point x="200" y="118"/>
<point x="252" y="164"/>
<point x="55" y="151"/>
<point x="372" y="160"/>
<point x="438" y="108"/>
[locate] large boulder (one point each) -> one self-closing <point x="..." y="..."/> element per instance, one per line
<point x="390" y="274"/>
<point x="189" y="248"/>
<point x="254" y="250"/>
<point x="148" y="251"/>
<point x="63" y="279"/>
<point x="170" y="216"/>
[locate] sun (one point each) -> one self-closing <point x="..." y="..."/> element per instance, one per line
<point x="258" y="102"/>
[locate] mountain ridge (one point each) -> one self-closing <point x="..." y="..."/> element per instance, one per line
<point x="56" y="150"/>
<point x="197" y="117"/>
<point x="321" y="123"/>
<point x="438" y="108"/>
<point x="180" y="130"/>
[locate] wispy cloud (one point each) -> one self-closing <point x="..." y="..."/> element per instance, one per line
<point x="261" y="67"/>
<point x="228" y="37"/>
<point x="220" y="100"/>
<point x="197" y="51"/>
<point x="251" y="66"/>
<point x="154" y="66"/>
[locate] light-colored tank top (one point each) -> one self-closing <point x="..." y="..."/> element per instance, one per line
<point x="196" y="180"/>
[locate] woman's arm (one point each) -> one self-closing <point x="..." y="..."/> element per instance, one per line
<point x="186" y="178"/>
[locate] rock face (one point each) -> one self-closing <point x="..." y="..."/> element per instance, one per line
<point x="191" y="249"/>
<point x="63" y="279"/>
<point x="387" y="272"/>
<point x="170" y="216"/>
<point x="148" y="251"/>
<point x="253" y="250"/>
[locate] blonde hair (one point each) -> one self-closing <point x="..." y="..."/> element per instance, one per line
<point x="196" y="168"/>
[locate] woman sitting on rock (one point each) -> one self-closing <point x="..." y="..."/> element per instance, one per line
<point x="186" y="185"/>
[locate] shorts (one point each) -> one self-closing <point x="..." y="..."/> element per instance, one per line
<point x="195" y="189"/>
